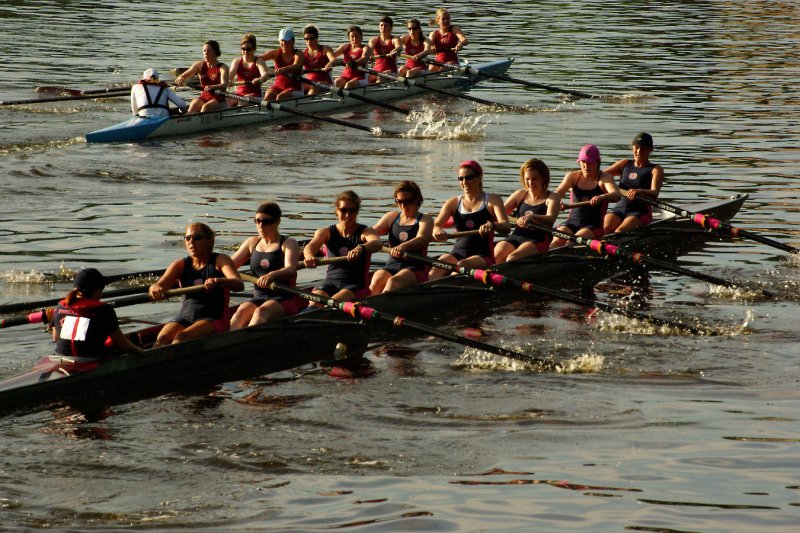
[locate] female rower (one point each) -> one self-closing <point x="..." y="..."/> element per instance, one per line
<point x="346" y="238"/>
<point x="475" y="210"/>
<point x="214" y="78"/>
<point x="203" y="313"/>
<point x="249" y="71"/>
<point x="355" y="55"/>
<point x="151" y="98"/>
<point x="385" y="48"/>
<point x="447" y="40"/>
<point x="415" y="46"/>
<point x="82" y="323"/>
<point x="591" y="186"/>
<point x="638" y="176"/>
<point x="532" y="203"/>
<point x="288" y="63"/>
<point x="315" y="57"/>
<point x="409" y="231"/>
<point x="272" y="257"/>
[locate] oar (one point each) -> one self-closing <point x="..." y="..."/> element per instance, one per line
<point x="414" y="81"/>
<point x="344" y="93"/>
<point x="43" y="315"/>
<point x="25" y="306"/>
<point x="359" y="310"/>
<point x="493" y="278"/>
<point x="294" y="111"/>
<point x="79" y="92"/>
<point x="603" y="247"/>
<point x="706" y="221"/>
<point x="467" y="69"/>
<point x="120" y="92"/>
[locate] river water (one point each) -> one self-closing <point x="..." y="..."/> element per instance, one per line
<point x="666" y="433"/>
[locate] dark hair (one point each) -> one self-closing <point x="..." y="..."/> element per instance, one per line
<point x="86" y="282"/>
<point x="270" y="208"/>
<point x="414" y="22"/>
<point x="352" y="29"/>
<point x="313" y="30"/>
<point x="215" y="46"/>
<point x="388" y="20"/>
<point x="538" y="166"/>
<point x="207" y="232"/>
<point x="410" y="187"/>
<point x="348" y="195"/>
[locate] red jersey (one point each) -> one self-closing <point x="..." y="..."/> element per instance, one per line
<point x="210" y="76"/>
<point x="412" y="49"/>
<point x="382" y="64"/>
<point x="244" y="73"/>
<point x="443" y="43"/>
<point x="282" y="81"/>
<point x="313" y="65"/>
<point x="349" y="55"/>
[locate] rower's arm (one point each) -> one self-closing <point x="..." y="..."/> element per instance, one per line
<point x="232" y="280"/>
<point x="123" y="344"/>
<point x="444" y="215"/>
<point x="462" y="39"/>
<point x="501" y="224"/>
<point x="371" y="239"/>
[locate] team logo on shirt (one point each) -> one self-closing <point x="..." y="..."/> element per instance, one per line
<point x="403" y="236"/>
<point x="264" y="263"/>
<point x="470" y="223"/>
<point x="633" y="176"/>
<point x="198" y="281"/>
<point x="528" y="213"/>
<point x="344" y="250"/>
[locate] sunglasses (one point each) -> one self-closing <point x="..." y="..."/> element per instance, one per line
<point x="412" y="28"/>
<point x="404" y="201"/>
<point x="309" y="38"/>
<point x="467" y="178"/>
<point x="348" y="210"/>
<point x="264" y="221"/>
<point x="246" y="49"/>
<point x="193" y="237"/>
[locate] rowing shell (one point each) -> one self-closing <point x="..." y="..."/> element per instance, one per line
<point x="311" y="337"/>
<point x="138" y="129"/>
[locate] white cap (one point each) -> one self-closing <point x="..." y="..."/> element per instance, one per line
<point x="286" y="34"/>
<point x="150" y="73"/>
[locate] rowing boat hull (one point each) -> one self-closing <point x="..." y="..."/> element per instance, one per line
<point x="138" y="129"/>
<point x="313" y="336"/>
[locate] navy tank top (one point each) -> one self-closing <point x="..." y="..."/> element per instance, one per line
<point x="586" y="216"/>
<point x="342" y="274"/>
<point x="466" y="221"/>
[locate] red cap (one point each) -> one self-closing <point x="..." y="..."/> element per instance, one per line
<point x="474" y="165"/>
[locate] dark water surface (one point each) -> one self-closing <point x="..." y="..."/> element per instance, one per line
<point x="666" y="433"/>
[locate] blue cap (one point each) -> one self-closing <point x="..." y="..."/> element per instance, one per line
<point x="286" y="34"/>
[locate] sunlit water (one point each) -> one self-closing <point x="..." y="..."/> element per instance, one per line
<point x="641" y="429"/>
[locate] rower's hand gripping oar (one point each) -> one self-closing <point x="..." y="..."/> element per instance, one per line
<point x="359" y="310"/>
<point x="294" y="111"/>
<point x="493" y="278"/>
<point x="344" y="93"/>
<point x="43" y="316"/>
<point x="503" y="77"/>
<point x="606" y="248"/>
<point x="706" y="221"/>
<point x="408" y="82"/>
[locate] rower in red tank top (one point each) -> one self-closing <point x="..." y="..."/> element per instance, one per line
<point x="249" y="71"/>
<point x="214" y="76"/>
<point x="417" y="46"/>
<point x="355" y="55"/>
<point x="385" y="48"/>
<point x="447" y="41"/>
<point x="316" y="57"/>
<point x="288" y="62"/>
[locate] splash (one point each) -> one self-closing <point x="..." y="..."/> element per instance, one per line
<point x="735" y="294"/>
<point x="473" y="358"/>
<point x="618" y="323"/>
<point x="32" y="276"/>
<point x="793" y="260"/>
<point x="8" y="149"/>
<point x="430" y="124"/>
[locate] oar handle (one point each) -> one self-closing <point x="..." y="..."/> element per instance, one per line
<point x="460" y="234"/>
<point x="577" y="204"/>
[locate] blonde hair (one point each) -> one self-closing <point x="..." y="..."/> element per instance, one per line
<point x="538" y="166"/>
<point x="439" y="12"/>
